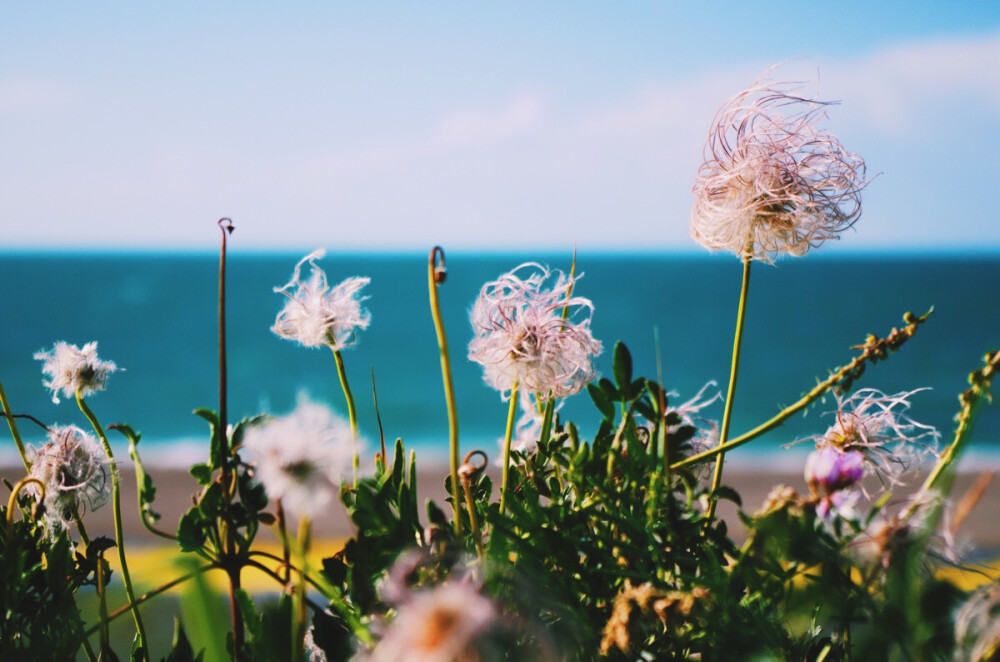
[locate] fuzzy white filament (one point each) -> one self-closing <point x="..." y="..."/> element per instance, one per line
<point x="771" y="183"/>
<point x="71" y="369"/>
<point x="875" y="425"/>
<point x="302" y="458"/>
<point x="316" y="314"/>
<point x="521" y="337"/>
<point x="71" y="465"/>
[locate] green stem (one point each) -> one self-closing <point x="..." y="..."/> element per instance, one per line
<point x="116" y="504"/>
<point x="435" y="276"/>
<point x="508" y="435"/>
<point x="299" y="623"/>
<point x="874" y="349"/>
<point x="13" y="429"/>
<point x="147" y="596"/>
<point x="731" y="391"/>
<point x="970" y="400"/>
<point x="352" y="412"/>
<point x="12" y="500"/>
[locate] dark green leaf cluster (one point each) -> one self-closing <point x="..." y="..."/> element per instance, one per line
<point x="39" y="576"/>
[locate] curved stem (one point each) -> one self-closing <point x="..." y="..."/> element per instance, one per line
<point x="508" y="435"/>
<point x="731" y="391"/>
<point x="435" y="276"/>
<point x="12" y="500"/>
<point x="13" y="429"/>
<point x="352" y="413"/>
<point x="116" y="504"/>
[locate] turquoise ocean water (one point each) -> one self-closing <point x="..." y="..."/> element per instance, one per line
<point x="154" y="315"/>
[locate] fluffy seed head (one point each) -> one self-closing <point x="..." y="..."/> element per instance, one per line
<point x="772" y="183"/>
<point x="316" y="314"/>
<point x="440" y="624"/>
<point x="71" y="369"/>
<point x="875" y="425"/>
<point x="71" y="466"/>
<point x="302" y="458"/>
<point x="521" y="337"/>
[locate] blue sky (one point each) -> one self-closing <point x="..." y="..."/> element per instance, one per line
<point x="513" y="125"/>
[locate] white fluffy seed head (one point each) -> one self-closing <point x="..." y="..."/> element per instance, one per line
<point x="439" y="624"/>
<point x="522" y="339"/>
<point x="316" y="314"/>
<point x="302" y="458"/>
<point x="71" y="369"/>
<point x="771" y="183"/>
<point x="71" y="465"/>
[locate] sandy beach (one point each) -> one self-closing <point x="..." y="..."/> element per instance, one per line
<point x="175" y="489"/>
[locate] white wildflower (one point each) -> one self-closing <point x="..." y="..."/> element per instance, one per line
<point x="73" y="369"/>
<point x="439" y="624"/>
<point x="771" y="183"/>
<point x="303" y="458"/>
<point x="72" y="468"/>
<point x="316" y="314"/>
<point x="522" y="339"/>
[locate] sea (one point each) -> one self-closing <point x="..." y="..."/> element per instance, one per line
<point x="155" y="315"/>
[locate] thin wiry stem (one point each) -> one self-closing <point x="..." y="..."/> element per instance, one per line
<point x="12" y="499"/>
<point x="149" y="595"/>
<point x="116" y="505"/>
<point x="508" y="435"/>
<point x="436" y="274"/>
<point x="874" y="349"/>
<point x="468" y="471"/>
<point x="731" y="391"/>
<point x="13" y="429"/>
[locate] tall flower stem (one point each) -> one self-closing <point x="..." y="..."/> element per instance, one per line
<point x="733" y="374"/>
<point x="13" y="429"/>
<point x="436" y="274"/>
<point x="508" y="435"/>
<point x="352" y="412"/>
<point x="228" y="485"/>
<point x="116" y="505"/>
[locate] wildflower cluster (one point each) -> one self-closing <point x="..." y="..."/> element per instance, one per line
<point x="601" y="541"/>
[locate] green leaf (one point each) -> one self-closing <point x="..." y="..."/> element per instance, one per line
<point x="215" y="458"/>
<point x="604" y="405"/>
<point x="202" y="473"/>
<point x="180" y="648"/>
<point x="621" y="367"/>
<point x="190" y="533"/>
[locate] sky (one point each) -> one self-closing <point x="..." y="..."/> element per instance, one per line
<point x="474" y="125"/>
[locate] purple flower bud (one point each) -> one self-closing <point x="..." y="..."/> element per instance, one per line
<point x="829" y="470"/>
